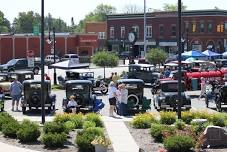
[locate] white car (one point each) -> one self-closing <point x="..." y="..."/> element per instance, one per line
<point x="72" y="57"/>
<point x="50" y="59"/>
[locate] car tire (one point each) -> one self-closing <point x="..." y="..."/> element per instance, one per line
<point x="104" y="89"/>
<point x="135" y="98"/>
<point x="36" y="70"/>
<point x="23" y="110"/>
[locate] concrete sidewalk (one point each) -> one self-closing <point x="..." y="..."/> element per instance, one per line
<point x="11" y="148"/>
<point x="122" y="140"/>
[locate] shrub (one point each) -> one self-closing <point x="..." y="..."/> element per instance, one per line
<point x="78" y="120"/>
<point x="28" y="131"/>
<point x="94" y="118"/>
<point x="69" y="125"/>
<point x="10" y="129"/>
<point x="143" y="120"/>
<point x="157" y="131"/>
<point x="218" y="120"/>
<point x="62" y="118"/>
<point x="179" y="124"/>
<point x="203" y="115"/>
<point x="187" y="116"/>
<point x="54" y="139"/>
<point x="85" y="137"/>
<point x="199" y="127"/>
<point x="179" y="143"/>
<point x="167" y="118"/>
<point x="88" y="124"/>
<point x="53" y="127"/>
<point x="5" y="118"/>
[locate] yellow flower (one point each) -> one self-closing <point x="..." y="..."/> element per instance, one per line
<point x="101" y="140"/>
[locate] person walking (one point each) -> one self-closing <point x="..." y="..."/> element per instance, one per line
<point x="203" y="87"/>
<point x="123" y="100"/>
<point x="112" y="95"/>
<point x="15" y="93"/>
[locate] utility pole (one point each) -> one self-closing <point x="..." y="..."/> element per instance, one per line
<point x="55" y="75"/>
<point x="42" y="62"/>
<point x="179" y="62"/>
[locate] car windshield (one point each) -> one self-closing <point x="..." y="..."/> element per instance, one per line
<point x="131" y="86"/>
<point x="171" y="87"/>
<point x="12" y="62"/>
<point x="78" y="88"/>
<point x="35" y="86"/>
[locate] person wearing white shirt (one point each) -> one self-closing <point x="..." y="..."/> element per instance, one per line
<point x="123" y="99"/>
<point x="72" y="104"/>
<point x="112" y="95"/>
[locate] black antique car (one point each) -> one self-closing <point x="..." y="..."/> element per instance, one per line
<point x="136" y="98"/>
<point x="166" y="96"/>
<point x="146" y="72"/>
<point x="82" y="89"/>
<point x="32" y="95"/>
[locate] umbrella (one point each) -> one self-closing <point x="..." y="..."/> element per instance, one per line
<point x="193" y="53"/>
<point x="69" y="65"/>
<point x="191" y="59"/>
<point x="211" y="53"/>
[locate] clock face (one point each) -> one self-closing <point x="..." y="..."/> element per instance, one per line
<point x="131" y="37"/>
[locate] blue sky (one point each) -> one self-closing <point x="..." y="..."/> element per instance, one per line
<point x="66" y="9"/>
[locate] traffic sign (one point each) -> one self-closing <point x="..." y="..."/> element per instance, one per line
<point x="36" y="29"/>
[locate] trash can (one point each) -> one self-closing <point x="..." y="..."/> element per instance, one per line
<point x="194" y="84"/>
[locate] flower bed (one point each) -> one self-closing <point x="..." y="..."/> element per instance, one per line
<point x="169" y="132"/>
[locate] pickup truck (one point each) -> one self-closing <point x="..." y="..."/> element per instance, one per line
<point x="20" y="64"/>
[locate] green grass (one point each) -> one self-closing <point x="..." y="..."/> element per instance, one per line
<point x="56" y="87"/>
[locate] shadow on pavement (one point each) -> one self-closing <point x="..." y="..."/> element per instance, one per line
<point x="37" y="112"/>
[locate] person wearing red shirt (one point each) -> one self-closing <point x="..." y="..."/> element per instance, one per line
<point x="47" y="77"/>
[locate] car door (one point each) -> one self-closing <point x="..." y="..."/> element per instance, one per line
<point x="21" y="64"/>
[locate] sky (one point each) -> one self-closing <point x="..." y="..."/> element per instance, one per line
<point x="66" y="9"/>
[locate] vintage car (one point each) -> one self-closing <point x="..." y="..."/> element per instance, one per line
<point x="82" y="89"/>
<point x="166" y="95"/>
<point x="97" y="84"/>
<point x="6" y="79"/>
<point x="136" y="98"/>
<point x="146" y="72"/>
<point x="32" y="95"/>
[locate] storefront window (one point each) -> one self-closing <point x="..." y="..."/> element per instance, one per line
<point x="111" y="32"/>
<point x="122" y="32"/>
<point x="201" y="28"/>
<point x="173" y="30"/>
<point x="161" y="30"/>
<point x="210" y="28"/>
<point x="101" y="35"/>
<point x="149" y="31"/>
<point x="136" y="30"/>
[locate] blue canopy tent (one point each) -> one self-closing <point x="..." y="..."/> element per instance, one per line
<point x="211" y="53"/>
<point x="194" y="54"/>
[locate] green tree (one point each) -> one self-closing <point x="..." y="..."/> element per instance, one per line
<point x="105" y="59"/>
<point x="173" y="7"/>
<point x="156" y="56"/>
<point x="98" y="15"/>
<point x="4" y="24"/>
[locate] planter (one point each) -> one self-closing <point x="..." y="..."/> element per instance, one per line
<point x="100" y="148"/>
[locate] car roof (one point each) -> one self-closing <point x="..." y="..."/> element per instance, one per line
<point x="21" y="72"/>
<point x="71" y="54"/>
<point x="220" y="60"/>
<point x="35" y="81"/>
<point x="170" y="81"/>
<point x="142" y="65"/>
<point x="130" y="81"/>
<point x="78" y="81"/>
<point x="80" y="71"/>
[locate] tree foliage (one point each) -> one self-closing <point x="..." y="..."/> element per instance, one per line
<point x="173" y="7"/>
<point x="98" y="15"/>
<point x="4" y="24"/>
<point x="130" y="8"/>
<point x="156" y="56"/>
<point x="105" y="59"/>
<point x="26" y="20"/>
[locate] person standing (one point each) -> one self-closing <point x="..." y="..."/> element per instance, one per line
<point x="112" y="95"/>
<point x="15" y="92"/>
<point x="203" y="87"/>
<point x="123" y="100"/>
<point x="72" y="104"/>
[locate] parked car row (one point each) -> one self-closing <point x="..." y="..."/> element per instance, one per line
<point x="49" y="59"/>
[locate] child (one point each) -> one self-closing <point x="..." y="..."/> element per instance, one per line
<point x="72" y="104"/>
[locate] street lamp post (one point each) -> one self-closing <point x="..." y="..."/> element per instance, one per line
<point x="55" y="76"/>
<point x="179" y="61"/>
<point x="145" y="30"/>
<point x="42" y="62"/>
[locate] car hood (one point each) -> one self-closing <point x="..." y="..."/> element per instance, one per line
<point x="3" y="66"/>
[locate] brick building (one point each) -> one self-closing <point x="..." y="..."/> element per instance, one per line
<point x="200" y="29"/>
<point x="15" y="46"/>
<point x="99" y="28"/>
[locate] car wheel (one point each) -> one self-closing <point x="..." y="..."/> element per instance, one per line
<point x="104" y="89"/>
<point x="133" y="99"/>
<point x="36" y="70"/>
<point x="23" y="110"/>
